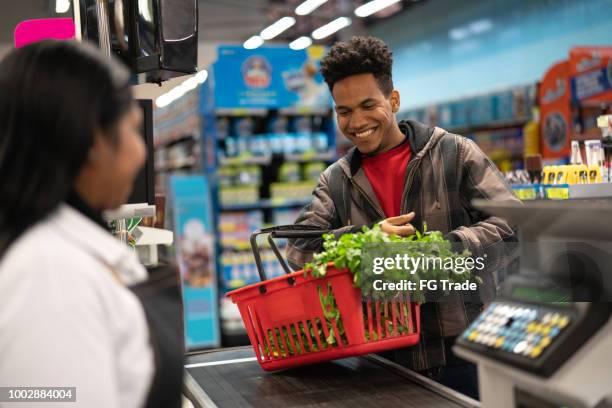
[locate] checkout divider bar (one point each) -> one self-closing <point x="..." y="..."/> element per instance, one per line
<point x="425" y="382"/>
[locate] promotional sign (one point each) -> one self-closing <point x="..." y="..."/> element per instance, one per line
<point x="195" y="255"/>
<point x="269" y="77"/>
<point x="591" y="73"/>
<point x="31" y="31"/>
<point x="555" y="125"/>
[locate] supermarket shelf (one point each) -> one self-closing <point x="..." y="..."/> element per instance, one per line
<point x="241" y="111"/>
<point x="267" y="159"/>
<point x="176" y="164"/>
<point x="490" y="125"/>
<point x="236" y="161"/>
<point x="307" y="157"/>
<point x="305" y="110"/>
<point x="263" y="204"/>
<point x="165" y="142"/>
<point x="598" y="190"/>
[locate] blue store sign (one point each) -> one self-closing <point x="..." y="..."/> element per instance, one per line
<point x="270" y="77"/>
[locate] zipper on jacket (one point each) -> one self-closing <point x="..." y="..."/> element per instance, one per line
<point x="409" y="179"/>
<point x="374" y="206"/>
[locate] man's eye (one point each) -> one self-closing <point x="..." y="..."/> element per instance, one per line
<point x="342" y="113"/>
<point x="369" y="106"/>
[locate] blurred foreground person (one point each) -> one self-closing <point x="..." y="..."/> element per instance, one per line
<point x="70" y="148"/>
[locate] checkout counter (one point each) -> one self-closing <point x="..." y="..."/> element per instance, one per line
<point x="547" y="339"/>
<point x="233" y="378"/>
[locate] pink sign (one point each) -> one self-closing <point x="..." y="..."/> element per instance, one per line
<point x="30" y="31"/>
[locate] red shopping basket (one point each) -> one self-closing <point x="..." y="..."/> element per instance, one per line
<point x="288" y="325"/>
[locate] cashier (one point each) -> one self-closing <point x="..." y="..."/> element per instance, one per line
<point x="70" y="147"/>
<point x="403" y="174"/>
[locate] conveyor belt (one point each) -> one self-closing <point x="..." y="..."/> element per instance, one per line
<point x="232" y="378"/>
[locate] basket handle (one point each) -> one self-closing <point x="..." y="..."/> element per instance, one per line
<point x="282" y="231"/>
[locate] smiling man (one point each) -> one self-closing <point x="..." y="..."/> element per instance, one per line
<point x="402" y="175"/>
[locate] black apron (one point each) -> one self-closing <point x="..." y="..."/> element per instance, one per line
<point x="161" y="299"/>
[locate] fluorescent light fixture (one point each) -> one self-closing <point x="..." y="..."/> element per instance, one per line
<point x="308" y="7"/>
<point x="300" y="43"/>
<point x="331" y="27"/>
<point x="457" y="34"/>
<point x="190" y="84"/>
<point x="201" y="76"/>
<point x="163" y="100"/>
<point x="253" y="42"/>
<point x="481" y="26"/>
<point x="62" y="6"/>
<point x="275" y="29"/>
<point x="373" y="6"/>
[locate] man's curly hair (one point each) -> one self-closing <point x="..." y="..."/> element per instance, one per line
<point x="361" y="55"/>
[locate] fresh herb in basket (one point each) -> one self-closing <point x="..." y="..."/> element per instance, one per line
<point x="347" y="252"/>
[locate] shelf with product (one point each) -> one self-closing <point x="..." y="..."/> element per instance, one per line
<point x="177" y="139"/>
<point x="497" y="121"/>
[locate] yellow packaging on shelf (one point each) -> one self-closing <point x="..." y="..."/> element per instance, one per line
<point x="571" y="174"/>
<point x="561" y="175"/>
<point x="549" y="174"/>
<point x="594" y="174"/>
<point x="582" y="174"/>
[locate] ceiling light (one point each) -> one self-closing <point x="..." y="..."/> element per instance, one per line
<point x="253" y="42"/>
<point x="62" y="6"/>
<point x="373" y="6"/>
<point x="163" y="100"/>
<point x="275" y="29"/>
<point x="300" y="43"/>
<point x="201" y="76"/>
<point x="481" y="26"/>
<point x="331" y="27"/>
<point x="457" y="34"/>
<point x="308" y="7"/>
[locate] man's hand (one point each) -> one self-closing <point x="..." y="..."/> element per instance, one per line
<point x="399" y="225"/>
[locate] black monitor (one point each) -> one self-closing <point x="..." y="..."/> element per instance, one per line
<point x="144" y="186"/>
<point x="155" y="37"/>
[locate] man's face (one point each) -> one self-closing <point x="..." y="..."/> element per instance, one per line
<point x="365" y="115"/>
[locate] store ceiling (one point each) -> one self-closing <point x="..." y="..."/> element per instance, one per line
<point x="220" y="20"/>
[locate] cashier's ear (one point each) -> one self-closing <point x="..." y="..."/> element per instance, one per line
<point x="394" y="99"/>
<point x="100" y="150"/>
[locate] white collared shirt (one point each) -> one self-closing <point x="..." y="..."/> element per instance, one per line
<point x="65" y="319"/>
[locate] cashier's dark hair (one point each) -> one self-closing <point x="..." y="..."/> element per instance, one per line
<point x="360" y="55"/>
<point x="53" y="96"/>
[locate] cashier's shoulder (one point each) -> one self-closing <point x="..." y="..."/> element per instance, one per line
<point x="45" y="255"/>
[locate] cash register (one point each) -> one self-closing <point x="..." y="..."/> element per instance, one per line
<point x="546" y="341"/>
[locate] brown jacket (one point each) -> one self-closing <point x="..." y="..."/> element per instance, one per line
<point x="444" y="174"/>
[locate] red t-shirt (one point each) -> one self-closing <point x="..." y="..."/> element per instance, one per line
<point x="386" y="172"/>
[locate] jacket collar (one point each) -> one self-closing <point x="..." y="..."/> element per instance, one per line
<point x="90" y="237"/>
<point x="418" y="135"/>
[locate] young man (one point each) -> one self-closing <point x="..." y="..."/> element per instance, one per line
<point x="401" y="175"/>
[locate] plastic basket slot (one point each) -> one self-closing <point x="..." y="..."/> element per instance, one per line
<point x="281" y="344"/>
<point x="402" y="315"/>
<point x="386" y="319"/>
<point x="368" y="305"/>
<point x="377" y="319"/>
<point x="314" y="335"/>
<point x="411" y="312"/>
<point x="322" y="323"/>
<point x="394" y="318"/>
<point x="274" y="346"/>
<point x="321" y="329"/>
<point x="289" y="341"/>
<point x="297" y="338"/>
<point x="258" y="333"/>
<point x="304" y="330"/>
